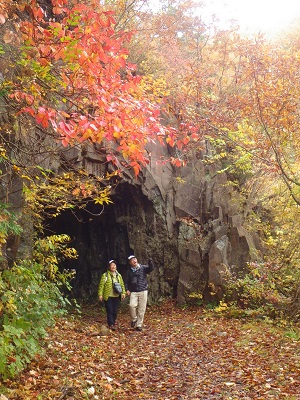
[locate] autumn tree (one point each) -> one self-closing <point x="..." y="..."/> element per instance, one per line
<point x="83" y="87"/>
<point x="228" y="86"/>
<point x="66" y="82"/>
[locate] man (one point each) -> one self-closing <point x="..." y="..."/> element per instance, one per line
<point x="136" y="284"/>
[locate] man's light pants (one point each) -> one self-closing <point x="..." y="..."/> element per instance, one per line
<point x="137" y="306"/>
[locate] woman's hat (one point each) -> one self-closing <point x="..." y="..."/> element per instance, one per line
<point x="111" y="261"/>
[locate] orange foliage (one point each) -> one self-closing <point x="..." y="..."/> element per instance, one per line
<point x="82" y="85"/>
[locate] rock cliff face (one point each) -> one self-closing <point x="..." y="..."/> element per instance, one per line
<point x="187" y="219"/>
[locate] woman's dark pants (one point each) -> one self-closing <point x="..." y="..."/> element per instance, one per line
<point x="112" y="307"/>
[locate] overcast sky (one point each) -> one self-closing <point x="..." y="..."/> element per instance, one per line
<point x="269" y="16"/>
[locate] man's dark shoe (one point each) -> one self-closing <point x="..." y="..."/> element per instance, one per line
<point x="133" y="324"/>
<point x="138" y="328"/>
<point x="112" y="327"/>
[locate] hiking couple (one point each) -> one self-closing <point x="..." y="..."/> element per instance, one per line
<point x="135" y="286"/>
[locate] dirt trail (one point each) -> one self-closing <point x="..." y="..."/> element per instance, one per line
<point x="180" y="354"/>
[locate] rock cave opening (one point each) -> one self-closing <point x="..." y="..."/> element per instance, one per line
<point x="103" y="233"/>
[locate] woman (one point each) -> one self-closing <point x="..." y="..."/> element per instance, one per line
<point x="108" y="295"/>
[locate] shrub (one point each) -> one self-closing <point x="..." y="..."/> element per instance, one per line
<point x="31" y="300"/>
<point x="8" y="225"/>
<point x="266" y="288"/>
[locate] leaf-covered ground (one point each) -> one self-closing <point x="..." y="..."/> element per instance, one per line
<point x="180" y="354"/>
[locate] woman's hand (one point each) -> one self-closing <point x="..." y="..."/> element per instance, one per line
<point x="123" y="296"/>
<point x="100" y="298"/>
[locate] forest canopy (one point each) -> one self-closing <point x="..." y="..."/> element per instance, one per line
<point x="107" y="73"/>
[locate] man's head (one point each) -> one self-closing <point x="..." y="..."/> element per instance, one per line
<point x="132" y="261"/>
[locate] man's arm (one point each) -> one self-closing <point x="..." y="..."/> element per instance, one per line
<point x="150" y="267"/>
<point x="126" y="282"/>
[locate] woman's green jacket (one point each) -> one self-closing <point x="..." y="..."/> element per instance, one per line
<point x="105" y="288"/>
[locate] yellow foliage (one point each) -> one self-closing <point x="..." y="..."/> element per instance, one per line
<point x="155" y="88"/>
<point x="103" y="197"/>
<point x="195" y="295"/>
<point x="221" y="307"/>
<point x="48" y="251"/>
<point x="51" y="195"/>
